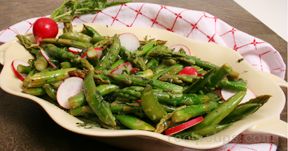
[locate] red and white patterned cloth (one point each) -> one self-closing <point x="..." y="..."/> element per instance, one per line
<point x="192" y="24"/>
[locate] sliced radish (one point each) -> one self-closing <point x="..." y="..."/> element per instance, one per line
<point x="226" y="94"/>
<point x="84" y="55"/>
<point x="188" y="71"/>
<point x="47" y="58"/>
<point x="178" y="47"/>
<point x="129" y="41"/>
<point x="179" y="128"/>
<point x="75" y="50"/>
<point x="14" y="66"/>
<point x="134" y="70"/>
<point x="70" y="87"/>
<point x="124" y="66"/>
<point x="96" y="52"/>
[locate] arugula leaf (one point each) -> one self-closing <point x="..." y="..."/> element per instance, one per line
<point x="74" y="8"/>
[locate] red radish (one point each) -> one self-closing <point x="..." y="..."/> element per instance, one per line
<point x="75" y="50"/>
<point x="227" y="94"/>
<point x="178" y="47"/>
<point x="139" y="101"/>
<point x="14" y="66"/>
<point x="188" y="71"/>
<point x="84" y="55"/>
<point x="44" y="28"/>
<point x="129" y="41"/>
<point x="124" y="66"/>
<point x="134" y="70"/>
<point x="179" y="128"/>
<point x="70" y="87"/>
<point x="47" y="58"/>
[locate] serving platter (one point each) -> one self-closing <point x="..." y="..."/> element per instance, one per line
<point x="258" y="82"/>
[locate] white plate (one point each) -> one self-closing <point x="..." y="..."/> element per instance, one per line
<point x="257" y="82"/>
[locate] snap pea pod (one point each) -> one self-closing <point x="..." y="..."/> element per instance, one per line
<point x="81" y="111"/>
<point x="50" y="91"/>
<point x="40" y="64"/>
<point x="145" y="74"/>
<point x="99" y="106"/>
<point x="24" y="69"/>
<point x="210" y="130"/>
<point x="169" y="61"/>
<point x="67" y="42"/>
<point x="41" y="78"/>
<point x="105" y="89"/>
<point x="118" y="107"/>
<point x="77" y="100"/>
<point x="216" y="116"/>
<point x="111" y="54"/>
<point x="76" y="36"/>
<point x="245" y="109"/>
<point x="65" y="65"/>
<point x="34" y="91"/>
<point x="191" y="111"/>
<point x="134" y="123"/>
<point x="151" y="107"/>
<point x="205" y="131"/>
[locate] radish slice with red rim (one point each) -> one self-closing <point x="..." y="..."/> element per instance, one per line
<point x="14" y="66"/>
<point x="96" y="52"/>
<point x="124" y="66"/>
<point x="70" y="87"/>
<point x="226" y="94"/>
<point x="47" y="58"/>
<point x="129" y="41"/>
<point x="178" y="47"/>
<point x="179" y="128"/>
<point x="75" y="50"/>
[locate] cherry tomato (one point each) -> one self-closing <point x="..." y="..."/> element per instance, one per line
<point x="188" y="71"/>
<point x="179" y="128"/>
<point x="45" y="28"/>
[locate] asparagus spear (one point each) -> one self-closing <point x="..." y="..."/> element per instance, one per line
<point x="193" y="111"/>
<point x="41" y="78"/>
<point x="134" y="123"/>
<point x="67" y="42"/>
<point x="217" y="115"/>
<point x="76" y="36"/>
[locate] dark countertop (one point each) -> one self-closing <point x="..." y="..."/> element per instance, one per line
<point x="25" y="126"/>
